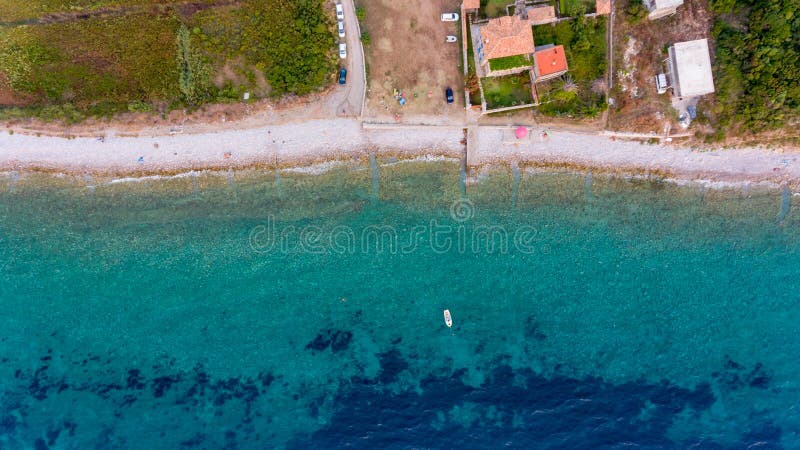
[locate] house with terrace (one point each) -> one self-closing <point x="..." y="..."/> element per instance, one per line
<point x="505" y="46"/>
<point x="689" y="69"/>
<point x="506" y="59"/>
<point x="504" y="64"/>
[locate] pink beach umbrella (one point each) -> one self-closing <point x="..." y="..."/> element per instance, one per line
<point x="521" y="132"/>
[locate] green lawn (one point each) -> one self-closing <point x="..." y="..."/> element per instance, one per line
<point x="495" y="8"/>
<point x="506" y="91"/>
<point x="509" y="62"/>
<point x="571" y="7"/>
<point x="148" y="61"/>
<point x="585" y="46"/>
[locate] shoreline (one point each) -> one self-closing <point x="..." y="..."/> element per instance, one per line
<point x="305" y="143"/>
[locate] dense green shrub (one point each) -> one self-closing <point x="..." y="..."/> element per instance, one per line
<point x="193" y="73"/>
<point x="636" y="11"/>
<point x="757" y="64"/>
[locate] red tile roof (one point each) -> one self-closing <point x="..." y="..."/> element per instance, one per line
<point x="507" y="36"/>
<point x="602" y="7"/>
<point x="538" y="15"/>
<point x="550" y="61"/>
<point x="472" y="4"/>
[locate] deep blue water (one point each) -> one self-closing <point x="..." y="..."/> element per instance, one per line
<point x="305" y="311"/>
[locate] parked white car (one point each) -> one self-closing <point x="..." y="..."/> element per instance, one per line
<point x="339" y="12"/>
<point x="341" y="29"/>
<point x="343" y="51"/>
<point x="451" y="39"/>
<point x="449" y="17"/>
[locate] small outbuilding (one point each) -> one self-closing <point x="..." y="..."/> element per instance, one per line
<point x="540" y="14"/>
<point x="602" y="7"/>
<point x="689" y="69"/>
<point x="661" y="8"/>
<point x="550" y="61"/>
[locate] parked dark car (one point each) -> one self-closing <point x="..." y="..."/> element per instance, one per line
<point x="449" y="93"/>
<point x="342" y="75"/>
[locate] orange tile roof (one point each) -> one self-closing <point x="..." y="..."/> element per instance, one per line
<point x="507" y="36"/>
<point x="472" y="4"/>
<point x="541" y="14"/>
<point x="550" y="61"/>
<point x="602" y="7"/>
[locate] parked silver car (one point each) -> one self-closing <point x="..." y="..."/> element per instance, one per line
<point x="449" y="17"/>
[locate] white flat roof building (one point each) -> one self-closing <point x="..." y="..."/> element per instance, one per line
<point x="661" y="8"/>
<point x="690" y="68"/>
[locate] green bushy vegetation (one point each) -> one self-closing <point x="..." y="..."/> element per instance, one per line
<point x="95" y="65"/>
<point x="293" y="40"/>
<point x="509" y="62"/>
<point x="635" y="11"/>
<point x="147" y="61"/>
<point x="576" y="8"/>
<point x="585" y="46"/>
<point x="757" y="64"/>
<point x="494" y="8"/>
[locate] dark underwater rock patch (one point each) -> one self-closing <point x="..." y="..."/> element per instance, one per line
<point x="335" y="339"/>
<point x="194" y="441"/>
<point x="266" y="379"/>
<point x="134" y="379"/>
<point x="40" y="383"/>
<point x="392" y="364"/>
<point x="54" y="433"/>
<point x="163" y="388"/>
<point x="528" y="411"/>
<point x="518" y="408"/>
<point x="532" y="331"/>
<point x="162" y="384"/>
<point x="8" y="424"/>
<point x="735" y="376"/>
<point x="39" y="444"/>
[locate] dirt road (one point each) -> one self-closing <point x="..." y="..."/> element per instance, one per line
<point x="349" y="99"/>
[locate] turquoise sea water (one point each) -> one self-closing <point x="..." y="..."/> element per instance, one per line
<point x="256" y="311"/>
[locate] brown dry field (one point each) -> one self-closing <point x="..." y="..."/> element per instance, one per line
<point x="408" y="52"/>
<point x="650" y="111"/>
<point x="8" y="97"/>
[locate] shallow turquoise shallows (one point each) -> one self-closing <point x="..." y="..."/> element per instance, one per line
<point x="251" y="310"/>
